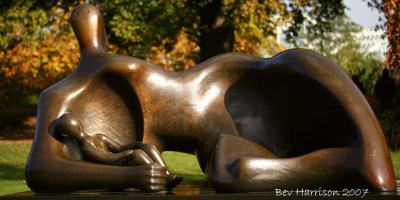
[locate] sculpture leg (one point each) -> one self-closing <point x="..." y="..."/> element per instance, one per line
<point x="224" y="155"/>
<point x="251" y="167"/>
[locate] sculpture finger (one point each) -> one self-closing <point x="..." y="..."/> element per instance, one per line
<point x="155" y="178"/>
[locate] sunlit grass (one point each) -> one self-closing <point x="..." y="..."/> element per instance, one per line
<point x="396" y="163"/>
<point x="12" y="164"/>
<point x="185" y="165"/>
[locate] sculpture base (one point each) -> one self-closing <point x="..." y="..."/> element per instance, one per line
<point x="200" y="191"/>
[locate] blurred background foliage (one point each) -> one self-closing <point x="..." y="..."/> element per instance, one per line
<point x="38" y="48"/>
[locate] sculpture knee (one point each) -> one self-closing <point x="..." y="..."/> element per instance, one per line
<point x="148" y="148"/>
<point x="138" y="157"/>
<point x="232" y="147"/>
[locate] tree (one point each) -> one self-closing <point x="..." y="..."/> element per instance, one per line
<point x="318" y="18"/>
<point x="391" y="11"/>
<point x="341" y="33"/>
<point x="215" y="26"/>
<point x="342" y="46"/>
<point x="37" y="48"/>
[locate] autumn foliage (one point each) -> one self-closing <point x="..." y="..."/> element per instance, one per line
<point x="391" y="10"/>
<point x="30" y="61"/>
<point x="38" y="48"/>
<point x="175" y="54"/>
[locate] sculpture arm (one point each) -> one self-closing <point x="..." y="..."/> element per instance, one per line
<point x="104" y="156"/>
<point x="50" y="169"/>
<point x="115" y="147"/>
<point x="254" y="168"/>
<point x="143" y="153"/>
<point x="111" y="144"/>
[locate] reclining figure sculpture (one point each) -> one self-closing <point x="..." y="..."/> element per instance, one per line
<point x="291" y="121"/>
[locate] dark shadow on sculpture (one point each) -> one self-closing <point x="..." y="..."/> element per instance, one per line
<point x="292" y="121"/>
<point x="281" y="104"/>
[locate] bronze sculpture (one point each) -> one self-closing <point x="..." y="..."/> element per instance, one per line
<point x="292" y="121"/>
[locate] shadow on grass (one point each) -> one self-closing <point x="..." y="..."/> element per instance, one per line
<point x="10" y="172"/>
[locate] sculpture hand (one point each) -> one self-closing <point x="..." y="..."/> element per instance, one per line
<point x="152" y="177"/>
<point x="148" y="154"/>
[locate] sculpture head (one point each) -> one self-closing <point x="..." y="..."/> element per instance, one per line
<point x="68" y="126"/>
<point x="88" y="26"/>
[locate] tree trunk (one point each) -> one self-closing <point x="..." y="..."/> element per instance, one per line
<point x="216" y="35"/>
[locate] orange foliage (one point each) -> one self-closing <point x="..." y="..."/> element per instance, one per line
<point x="30" y="66"/>
<point x="52" y="57"/>
<point x="392" y="14"/>
<point x="181" y="56"/>
<point x="243" y="45"/>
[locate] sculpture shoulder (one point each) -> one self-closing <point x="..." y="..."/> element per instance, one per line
<point x="51" y="92"/>
<point x="60" y="91"/>
<point x="91" y="67"/>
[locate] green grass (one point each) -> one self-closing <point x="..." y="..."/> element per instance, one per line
<point x="396" y="163"/>
<point x="12" y="164"/>
<point x="13" y="158"/>
<point x="185" y="165"/>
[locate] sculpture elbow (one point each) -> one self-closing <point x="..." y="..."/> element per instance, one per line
<point x="35" y="177"/>
<point x="41" y="177"/>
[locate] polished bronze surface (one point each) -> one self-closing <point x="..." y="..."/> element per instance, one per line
<point x="292" y="121"/>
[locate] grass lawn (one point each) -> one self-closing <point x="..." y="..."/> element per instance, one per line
<point x="13" y="158"/>
<point x="396" y="163"/>
<point x="12" y="164"/>
<point x="185" y="165"/>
